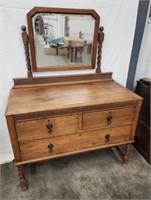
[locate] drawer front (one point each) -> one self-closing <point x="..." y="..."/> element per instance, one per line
<point x="48" y="127"/>
<point x="105" y="118"/>
<point x="74" y="142"/>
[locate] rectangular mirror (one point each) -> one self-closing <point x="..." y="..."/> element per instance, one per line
<point x="62" y="39"/>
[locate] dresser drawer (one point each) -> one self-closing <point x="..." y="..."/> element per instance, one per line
<point x="98" y="119"/>
<point x="74" y="142"/>
<point x="47" y="127"/>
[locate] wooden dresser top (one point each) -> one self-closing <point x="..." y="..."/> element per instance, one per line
<point x="65" y="96"/>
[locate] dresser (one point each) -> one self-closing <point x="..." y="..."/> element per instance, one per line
<point x="142" y="137"/>
<point x="65" y="117"/>
<point x="51" y="117"/>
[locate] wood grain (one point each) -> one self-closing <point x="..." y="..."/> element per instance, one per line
<point x="48" y="113"/>
<point x="98" y="119"/>
<point x="138" y="107"/>
<point x="68" y="79"/>
<point x="36" y="129"/>
<point x="36" y="99"/>
<point x="13" y="138"/>
<point x="26" y="48"/>
<point x="100" y="42"/>
<point x="73" y="142"/>
<point x="67" y="154"/>
<point x="78" y="112"/>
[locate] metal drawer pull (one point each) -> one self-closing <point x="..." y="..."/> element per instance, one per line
<point x="109" y="119"/>
<point x="50" y="146"/>
<point x="49" y="127"/>
<point x="107" y="137"/>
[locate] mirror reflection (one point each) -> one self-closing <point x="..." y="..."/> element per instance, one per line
<point x="63" y="39"/>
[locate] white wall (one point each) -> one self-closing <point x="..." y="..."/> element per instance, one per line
<point x="144" y="60"/>
<point x="85" y="24"/>
<point x="117" y="17"/>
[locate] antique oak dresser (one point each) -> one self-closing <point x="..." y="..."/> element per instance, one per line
<point x="55" y="116"/>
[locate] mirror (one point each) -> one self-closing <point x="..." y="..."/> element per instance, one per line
<point x="62" y="39"/>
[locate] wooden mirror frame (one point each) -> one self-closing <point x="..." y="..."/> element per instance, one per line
<point x="37" y="10"/>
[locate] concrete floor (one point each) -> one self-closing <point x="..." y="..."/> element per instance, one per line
<point x="95" y="175"/>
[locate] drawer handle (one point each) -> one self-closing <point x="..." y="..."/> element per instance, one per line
<point x="49" y="127"/>
<point x="50" y="146"/>
<point x="107" y="137"/>
<point x="109" y="119"/>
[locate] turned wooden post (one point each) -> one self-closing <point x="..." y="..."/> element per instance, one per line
<point x="25" y="42"/>
<point x="126" y="154"/>
<point x="100" y="42"/>
<point x="21" y="173"/>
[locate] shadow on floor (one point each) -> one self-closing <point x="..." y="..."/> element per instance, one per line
<point x="95" y="175"/>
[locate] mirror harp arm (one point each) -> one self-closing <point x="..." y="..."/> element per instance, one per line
<point x="100" y="42"/>
<point x="25" y="40"/>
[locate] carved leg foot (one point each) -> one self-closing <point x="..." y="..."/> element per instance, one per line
<point x="21" y="173"/>
<point x="126" y="155"/>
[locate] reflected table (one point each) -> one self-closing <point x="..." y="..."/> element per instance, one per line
<point x="75" y="44"/>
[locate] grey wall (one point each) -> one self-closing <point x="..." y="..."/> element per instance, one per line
<point x="139" y="30"/>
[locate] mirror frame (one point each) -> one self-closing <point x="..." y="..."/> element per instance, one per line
<point x="36" y="10"/>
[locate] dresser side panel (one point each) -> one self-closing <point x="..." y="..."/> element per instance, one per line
<point x="135" y="121"/>
<point x="13" y="138"/>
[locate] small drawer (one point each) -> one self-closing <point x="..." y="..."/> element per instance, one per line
<point x="47" y="127"/>
<point x="58" y="146"/>
<point x="98" y="119"/>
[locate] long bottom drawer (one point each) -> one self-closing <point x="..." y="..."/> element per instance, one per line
<point x="75" y="142"/>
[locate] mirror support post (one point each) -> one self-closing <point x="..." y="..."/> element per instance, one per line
<point x="26" y="48"/>
<point x="100" y="42"/>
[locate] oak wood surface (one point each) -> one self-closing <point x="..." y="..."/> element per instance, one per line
<point x="73" y="142"/>
<point x="26" y="48"/>
<point x="99" y="119"/>
<point x="21" y="174"/>
<point x="135" y="121"/>
<point x="62" y="68"/>
<point x="13" y="138"/>
<point x="65" y="79"/>
<point x="35" y="129"/>
<point x="28" y="100"/>
<point x="67" y="154"/>
<point x="100" y="42"/>
<point x="78" y="112"/>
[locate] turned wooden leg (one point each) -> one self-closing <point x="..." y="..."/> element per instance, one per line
<point x="81" y="50"/>
<point x="126" y="154"/>
<point x="21" y="173"/>
<point x="76" y="51"/>
<point x="68" y="52"/>
<point x="72" y="50"/>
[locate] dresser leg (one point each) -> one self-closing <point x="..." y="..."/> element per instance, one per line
<point x="21" y="173"/>
<point x="126" y="154"/>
